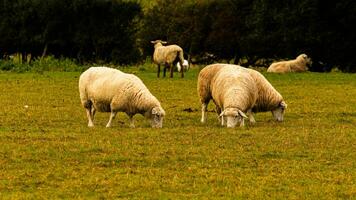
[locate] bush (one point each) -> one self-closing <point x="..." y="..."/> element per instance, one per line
<point x="48" y="63"/>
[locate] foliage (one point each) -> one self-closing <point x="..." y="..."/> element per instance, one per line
<point x="83" y="29"/>
<point x="48" y="63"/>
<point x="48" y="152"/>
<point x="258" y="29"/>
<point x="239" y="31"/>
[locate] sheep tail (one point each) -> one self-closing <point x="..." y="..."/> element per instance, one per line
<point x="181" y="61"/>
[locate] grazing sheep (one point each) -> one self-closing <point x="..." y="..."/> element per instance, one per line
<point x="185" y="65"/>
<point x="231" y="89"/>
<point x="300" y="64"/>
<point x="167" y="56"/>
<point x="268" y="99"/>
<point x="109" y="90"/>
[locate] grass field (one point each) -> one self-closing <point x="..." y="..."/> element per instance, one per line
<point x="48" y="152"/>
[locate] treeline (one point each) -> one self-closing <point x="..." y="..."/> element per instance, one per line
<point x="86" y="30"/>
<point x="241" y="31"/>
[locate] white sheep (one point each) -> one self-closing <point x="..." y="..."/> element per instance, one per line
<point x="185" y="65"/>
<point x="167" y="56"/>
<point x="268" y="99"/>
<point x="105" y="89"/>
<point x="231" y="89"/>
<point x="300" y="64"/>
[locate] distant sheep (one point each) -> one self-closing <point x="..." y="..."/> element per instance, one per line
<point x="167" y="56"/>
<point x="268" y="99"/>
<point x="233" y="91"/>
<point x="105" y="89"/>
<point x="185" y="65"/>
<point x="300" y="64"/>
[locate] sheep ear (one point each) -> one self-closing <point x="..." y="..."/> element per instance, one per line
<point x="163" y="42"/>
<point x="242" y="114"/>
<point x="222" y="114"/>
<point x="153" y="42"/>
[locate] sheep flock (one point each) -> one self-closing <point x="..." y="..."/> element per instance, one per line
<point x="237" y="92"/>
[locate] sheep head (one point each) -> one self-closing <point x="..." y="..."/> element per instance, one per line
<point x="305" y="59"/>
<point x="233" y="116"/>
<point x="278" y="113"/>
<point x="157" y="43"/>
<point x="157" y="115"/>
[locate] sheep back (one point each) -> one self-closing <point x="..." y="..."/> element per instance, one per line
<point x="268" y="97"/>
<point x="228" y="86"/>
<point x="167" y="54"/>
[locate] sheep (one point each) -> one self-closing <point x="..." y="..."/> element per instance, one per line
<point x="300" y="64"/>
<point x="268" y="99"/>
<point x="231" y="89"/>
<point x="105" y="89"/>
<point x="185" y="65"/>
<point x="167" y="55"/>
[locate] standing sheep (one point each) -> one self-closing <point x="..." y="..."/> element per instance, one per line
<point x="231" y="89"/>
<point x="109" y="90"/>
<point x="268" y="99"/>
<point x="167" y="56"/>
<point x="300" y="64"/>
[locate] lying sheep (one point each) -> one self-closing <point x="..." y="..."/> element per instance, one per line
<point x="185" y="65"/>
<point x="268" y="99"/>
<point x="300" y="64"/>
<point x="167" y="56"/>
<point x="109" y="90"/>
<point x="231" y="89"/>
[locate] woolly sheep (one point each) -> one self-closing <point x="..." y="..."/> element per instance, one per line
<point x="185" y="65"/>
<point x="268" y="99"/>
<point x="300" y="64"/>
<point x="105" y="89"/>
<point x="231" y="89"/>
<point x="167" y="55"/>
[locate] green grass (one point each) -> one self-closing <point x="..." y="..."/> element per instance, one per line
<point x="48" y="152"/>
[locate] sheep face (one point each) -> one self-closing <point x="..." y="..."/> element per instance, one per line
<point x="157" y="115"/>
<point x="279" y="111"/>
<point x="307" y="60"/>
<point x="233" y="116"/>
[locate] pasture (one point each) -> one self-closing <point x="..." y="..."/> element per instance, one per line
<point x="48" y="152"/>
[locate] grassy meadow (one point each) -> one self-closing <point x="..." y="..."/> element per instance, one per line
<point x="48" y="152"/>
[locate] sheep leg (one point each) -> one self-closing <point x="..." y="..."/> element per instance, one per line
<point x="171" y="68"/>
<point x="90" y="117"/>
<point x="112" y="116"/>
<point x="204" y="107"/>
<point x="250" y="116"/>
<point x="164" y="70"/>
<point x="132" y="125"/>
<point x="158" y="70"/>
<point x="182" y="70"/>
<point x="218" y="111"/>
